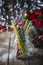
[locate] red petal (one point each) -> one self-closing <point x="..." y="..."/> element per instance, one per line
<point x="37" y="11"/>
<point x="37" y="23"/>
<point x="34" y="20"/>
<point x="31" y="16"/>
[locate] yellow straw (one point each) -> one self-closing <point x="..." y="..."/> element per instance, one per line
<point x="29" y="29"/>
<point x="26" y="24"/>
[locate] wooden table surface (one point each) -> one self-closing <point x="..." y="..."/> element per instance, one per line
<point x="36" y="59"/>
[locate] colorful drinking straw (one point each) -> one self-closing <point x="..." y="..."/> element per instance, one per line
<point x="26" y="24"/>
<point x="19" y="39"/>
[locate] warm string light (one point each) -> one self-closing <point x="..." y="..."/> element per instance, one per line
<point x="25" y="15"/>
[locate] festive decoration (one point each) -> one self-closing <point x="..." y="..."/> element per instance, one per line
<point x="27" y="26"/>
<point x="35" y="18"/>
<point x="19" y="39"/>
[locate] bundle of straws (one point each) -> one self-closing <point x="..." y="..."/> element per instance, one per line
<point x="20" y="33"/>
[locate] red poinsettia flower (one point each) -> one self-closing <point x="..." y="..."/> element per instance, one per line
<point x="35" y="17"/>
